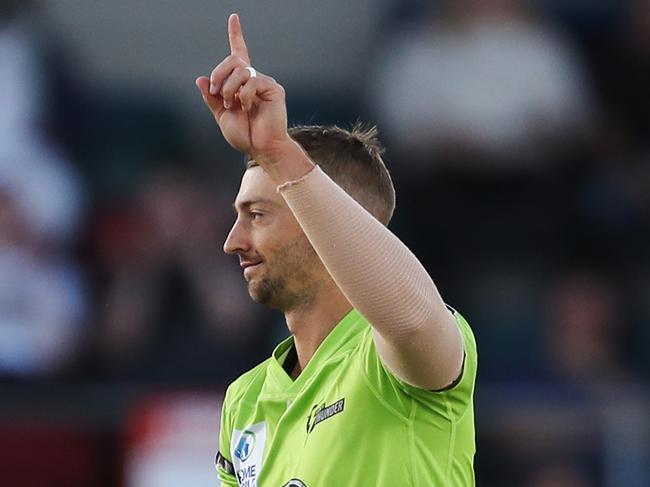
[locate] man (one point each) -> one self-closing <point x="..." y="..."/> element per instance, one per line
<point x="374" y="387"/>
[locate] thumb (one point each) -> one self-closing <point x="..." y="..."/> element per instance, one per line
<point x="214" y="102"/>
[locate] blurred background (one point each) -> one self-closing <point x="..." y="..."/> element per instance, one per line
<point x="518" y="138"/>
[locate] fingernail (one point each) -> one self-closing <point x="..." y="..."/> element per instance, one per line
<point x="226" y="104"/>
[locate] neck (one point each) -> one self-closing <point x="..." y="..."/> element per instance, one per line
<point x="311" y="323"/>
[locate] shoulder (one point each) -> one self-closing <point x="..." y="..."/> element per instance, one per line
<point x="469" y="340"/>
<point x="467" y="379"/>
<point x="451" y="402"/>
<point x="247" y="383"/>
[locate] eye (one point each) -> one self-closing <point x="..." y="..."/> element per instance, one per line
<point x="255" y="215"/>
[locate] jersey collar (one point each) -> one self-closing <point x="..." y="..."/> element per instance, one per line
<point x="345" y="336"/>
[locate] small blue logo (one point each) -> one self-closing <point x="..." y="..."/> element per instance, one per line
<point x="245" y="445"/>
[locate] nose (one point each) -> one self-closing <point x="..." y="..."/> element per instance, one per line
<point x="237" y="240"/>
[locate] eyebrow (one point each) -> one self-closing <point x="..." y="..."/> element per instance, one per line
<point x="248" y="203"/>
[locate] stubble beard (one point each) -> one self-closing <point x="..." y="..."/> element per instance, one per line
<point x="293" y="286"/>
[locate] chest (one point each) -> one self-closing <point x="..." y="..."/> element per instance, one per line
<point x="316" y="432"/>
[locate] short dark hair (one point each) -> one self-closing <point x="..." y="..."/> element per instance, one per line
<point x="353" y="159"/>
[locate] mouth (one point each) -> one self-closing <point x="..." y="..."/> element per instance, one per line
<point x="250" y="267"/>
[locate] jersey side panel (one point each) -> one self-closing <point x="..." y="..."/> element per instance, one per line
<point x="442" y="423"/>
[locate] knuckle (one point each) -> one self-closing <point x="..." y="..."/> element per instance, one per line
<point x="236" y="60"/>
<point x="224" y="62"/>
<point x="227" y="90"/>
<point x="247" y="91"/>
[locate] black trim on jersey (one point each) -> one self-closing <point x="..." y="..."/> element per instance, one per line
<point x="462" y="367"/>
<point x="295" y="483"/>
<point x="456" y="380"/>
<point x="291" y="360"/>
<point x="224" y="464"/>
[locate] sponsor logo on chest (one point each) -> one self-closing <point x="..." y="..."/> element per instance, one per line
<point x="247" y="450"/>
<point x="321" y="412"/>
<point x="295" y="483"/>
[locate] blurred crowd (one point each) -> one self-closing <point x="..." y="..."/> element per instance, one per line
<point x="517" y="135"/>
<point x="523" y="163"/>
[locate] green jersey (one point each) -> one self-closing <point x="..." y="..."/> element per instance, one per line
<point x="346" y="420"/>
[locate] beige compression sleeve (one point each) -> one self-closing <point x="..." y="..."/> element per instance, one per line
<point x="381" y="277"/>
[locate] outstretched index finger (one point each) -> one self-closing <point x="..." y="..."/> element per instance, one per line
<point x="236" y="37"/>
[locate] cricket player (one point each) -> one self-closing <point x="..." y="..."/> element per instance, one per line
<point x="374" y="387"/>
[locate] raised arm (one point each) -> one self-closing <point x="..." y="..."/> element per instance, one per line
<point x="416" y="336"/>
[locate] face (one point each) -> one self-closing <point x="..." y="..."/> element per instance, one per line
<point x="280" y="266"/>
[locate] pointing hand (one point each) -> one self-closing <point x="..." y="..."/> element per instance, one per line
<point x="250" y="110"/>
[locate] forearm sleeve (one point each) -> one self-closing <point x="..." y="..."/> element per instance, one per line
<point x="377" y="273"/>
